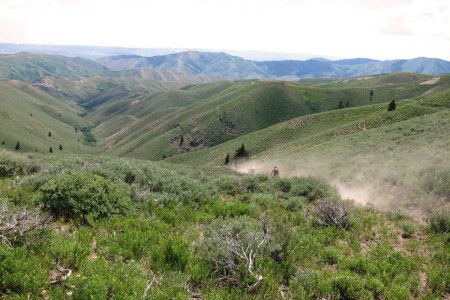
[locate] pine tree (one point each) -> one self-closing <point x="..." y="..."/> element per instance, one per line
<point x="3" y="142"/>
<point x="50" y="150"/>
<point x="371" y="95"/>
<point x="18" y="146"/>
<point x="392" y="106"/>
<point x="227" y="159"/>
<point x="348" y="104"/>
<point x="181" y="140"/>
<point x="49" y="134"/>
<point x="241" y="152"/>
<point x="60" y="147"/>
<point x="341" y="105"/>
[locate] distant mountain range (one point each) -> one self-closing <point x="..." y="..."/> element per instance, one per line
<point x="235" y="68"/>
<point x="199" y="66"/>
<point x="94" y="52"/>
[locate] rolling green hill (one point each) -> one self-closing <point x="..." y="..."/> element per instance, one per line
<point x="84" y="223"/>
<point x="210" y="114"/>
<point x="28" y="115"/>
<point x="373" y="155"/>
<point x="27" y="66"/>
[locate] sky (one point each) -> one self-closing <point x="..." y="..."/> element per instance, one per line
<point x="379" y="29"/>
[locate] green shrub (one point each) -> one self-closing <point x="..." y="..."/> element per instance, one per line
<point x="82" y="193"/>
<point x="439" y="280"/>
<point x="397" y="292"/>
<point x="350" y="287"/>
<point x="20" y="272"/>
<point x="229" y="185"/>
<point x="331" y="256"/>
<point x="294" y="203"/>
<point x="283" y="185"/>
<point x="436" y="181"/>
<point x="408" y="230"/>
<point x="440" y="222"/>
<point x="12" y="165"/>
<point x="376" y="286"/>
<point x="231" y="209"/>
<point x="312" y="188"/>
<point x="396" y="215"/>
<point x="176" y="254"/>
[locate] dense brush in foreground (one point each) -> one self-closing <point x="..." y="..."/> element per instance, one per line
<point x="105" y="228"/>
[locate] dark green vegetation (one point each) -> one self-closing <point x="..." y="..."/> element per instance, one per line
<point x="123" y="229"/>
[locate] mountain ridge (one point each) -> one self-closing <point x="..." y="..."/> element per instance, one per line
<point x="236" y="68"/>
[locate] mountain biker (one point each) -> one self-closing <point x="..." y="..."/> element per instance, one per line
<point x="251" y="170"/>
<point x="275" y="171"/>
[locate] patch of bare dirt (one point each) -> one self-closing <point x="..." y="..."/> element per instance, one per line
<point x="432" y="81"/>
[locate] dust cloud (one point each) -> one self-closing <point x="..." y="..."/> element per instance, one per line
<point x="366" y="181"/>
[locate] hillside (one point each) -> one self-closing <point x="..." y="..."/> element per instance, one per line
<point x="366" y="151"/>
<point x="361" y="209"/>
<point x="191" y="62"/>
<point x="29" y="116"/>
<point x="209" y="114"/>
<point x="26" y="66"/>
<point x="138" y="229"/>
<point x="30" y="67"/>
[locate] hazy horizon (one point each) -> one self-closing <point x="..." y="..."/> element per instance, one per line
<point x="383" y="29"/>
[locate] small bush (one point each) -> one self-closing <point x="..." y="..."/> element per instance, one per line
<point x="294" y="203"/>
<point x="350" y="287"/>
<point x="440" y="222"/>
<point x="229" y="185"/>
<point x="176" y="254"/>
<point x="80" y="194"/>
<point x="233" y="250"/>
<point x="436" y="181"/>
<point x="331" y="212"/>
<point x="283" y="185"/>
<point x="408" y="230"/>
<point x="11" y="165"/>
<point x="312" y="188"/>
<point x="20" y="272"/>
<point x="396" y="215"/>
<point x="331" y="256"/>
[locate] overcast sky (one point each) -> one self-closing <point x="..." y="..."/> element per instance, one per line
<point x="381" y="29"/>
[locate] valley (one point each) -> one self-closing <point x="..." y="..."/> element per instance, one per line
<point x="126" y="171"/>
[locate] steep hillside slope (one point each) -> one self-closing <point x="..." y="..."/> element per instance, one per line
<point x="91" y="92"/>
<point x="29" y="116"/>
<point x="31" y="66"/>
<point x="296" y="136"/>
<point x="387" y="158"/>
<point x="200" y="116"/>
<point x="26" y="66"/>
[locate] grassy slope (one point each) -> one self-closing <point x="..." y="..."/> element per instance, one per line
<point x="300" y="133"/>
<point x="26" y="66"/>
<point x="168" y="238"/>
<point x="235" y="109"/>
<point x="19" y="101"/>
<point x="373" y="155"/>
